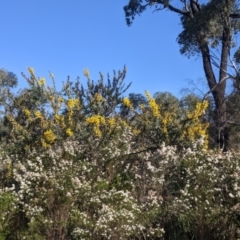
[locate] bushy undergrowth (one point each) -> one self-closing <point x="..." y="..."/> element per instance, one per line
<point x="60" y="194"/>
<point x="77" y="173"/>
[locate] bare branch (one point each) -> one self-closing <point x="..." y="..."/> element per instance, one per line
<point x="233" y="65"/>
<point x="216" y="85"/>
<point x="172" y="8"/>
<point x="159" y="9"/>
<point x="176" y="10"/>
<point x="185" y="5"/>
<point x="234" y="123"/>
<point x="234" y="15"/>
<point x="218" y="66"/>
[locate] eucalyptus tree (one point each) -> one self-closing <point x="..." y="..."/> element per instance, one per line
<point x="209" y="31"/>
<point x="8" y="80"/>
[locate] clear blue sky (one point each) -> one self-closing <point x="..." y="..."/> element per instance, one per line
<point x="65" y="37"/>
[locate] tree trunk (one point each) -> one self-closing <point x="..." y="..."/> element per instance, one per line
<point x="218" y="91"/>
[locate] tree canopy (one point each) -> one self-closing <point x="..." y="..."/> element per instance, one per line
<point x="209" y="30"/>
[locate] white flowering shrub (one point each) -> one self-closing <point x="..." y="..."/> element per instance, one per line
<point x="7" y="210"/>
<point x="66" y="192"/>
<point x="81" y="171"/>
<point x="203" y="193"/>
<point x="119" y="192"/>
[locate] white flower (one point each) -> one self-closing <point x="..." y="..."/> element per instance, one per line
<point x="231" y="195"/>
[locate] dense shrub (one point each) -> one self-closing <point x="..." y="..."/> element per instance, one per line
<point x="73" y="167"/>
<point x="61" y="194"/>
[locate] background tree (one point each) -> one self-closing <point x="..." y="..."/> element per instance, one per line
<point x="76" y="169"/>
<point x="8" y="80"/>
<point x="164" y="119"/>
<point x="136" y="100"/>
<point x="208" y="28"/>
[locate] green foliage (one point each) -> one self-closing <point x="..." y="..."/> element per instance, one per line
<point x="91" y="175"/>
<point x="164" y="118"/>
<point x="136" y="101"/>
<point x="208" y="23"/>
<point x="209" y="186"/>
<point x="210" y="30"/>
<point x="7" y="80"/>
<point x="41" y="115"/>
<point x="189" y="102"/>
<point x="8" y="209"/>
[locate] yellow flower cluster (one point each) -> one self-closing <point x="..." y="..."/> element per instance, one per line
<point x="60" y="99"/>
<point x="86" y="72"/>
<point x="197" y="129"/>
<point x="111" y="122"/>
<point x="71" y="103"/>
<point x="27" y="112"/>
<point x="31" y="70"/>
<point x="44" y="144"/>
<point x="98" y="97"/>
<point x="167" y="119"/>
<point x="198" y="111"/>
<point x="136" y="131"/>
<point x="69" y="132"/>
<point x="96" y="121"/>
<point x="49" y="136"/>
<point x="37" y="114"/>
<point x="42" y="81"/>
<point x="59" y="119"/>
<point x="127" y="102"/>
<point x="153" y="105"/>
<point x="142" y="107"/>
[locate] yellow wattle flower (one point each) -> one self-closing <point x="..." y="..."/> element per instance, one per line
<point x="197" y="128"/>
<point x="142" y="106"/>
<point x="71" y="103"/>
<point x="37" y="114"/>
<point x="136" y="131"/>
<point x="59" y="119"/>
<point x="44" y="144"/>
<point x="69" y="132"/>
<point x="27" y="112"/>
<point x="96" y="119"/>
<point x="198" y="111"/>
<point x="49" y="136"/>
<point x="86" y="72"/>
<point x="153" y="105"/>
<point x="60" y="99"/>
<point x="98" y="97"/>
<point x="111" y="122"/>
<point x="127" y="102"/>
<point x="31" y="70"/>
<point x="42" y="81"/>
<point x="147" y="94"/>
